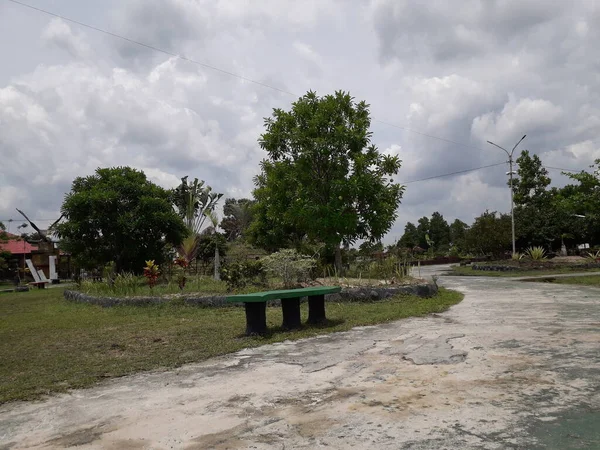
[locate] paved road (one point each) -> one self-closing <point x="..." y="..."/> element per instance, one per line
<point x="514" y="366"/>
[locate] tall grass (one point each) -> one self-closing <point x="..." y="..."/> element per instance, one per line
<point x="129" y="285"/>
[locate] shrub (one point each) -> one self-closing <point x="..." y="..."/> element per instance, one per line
<point x="289" y="265"/>
<point x="594" y="256"/>
<point x="536" y="253"/>
<point x="241" y="274"/>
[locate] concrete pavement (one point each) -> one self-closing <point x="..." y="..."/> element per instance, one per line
<point x="515" y="366"/>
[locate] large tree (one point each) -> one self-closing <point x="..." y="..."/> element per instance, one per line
<point x="118" y="215"/>
<point x="423" y="232"/>
<point x="490" y="234"/>
<point x="322" y="177"/>
<point x="439" y="232"/>
<point x="581" y="202"/>
<point x="410" y="238"/>
<point x="458" y="233"/>
<point x="539" y="218"/>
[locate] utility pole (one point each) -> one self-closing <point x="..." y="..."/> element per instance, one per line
<point x="512" y="207"/>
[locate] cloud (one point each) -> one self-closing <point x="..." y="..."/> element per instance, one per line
<point x="464" y="72"/>
<point x="58" y="33"/>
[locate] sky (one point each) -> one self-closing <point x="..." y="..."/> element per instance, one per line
<point x="441" y="78"/>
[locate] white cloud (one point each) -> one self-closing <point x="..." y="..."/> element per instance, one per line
<point x="467" y="73"/>
<point x="59" y="33"/>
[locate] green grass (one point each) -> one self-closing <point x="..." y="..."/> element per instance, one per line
<point x="467" y="271"/>
<point x="51" y="345"/>
<point x="592" y="280"/>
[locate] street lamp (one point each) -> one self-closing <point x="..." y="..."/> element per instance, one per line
<point x="511" y="172"/>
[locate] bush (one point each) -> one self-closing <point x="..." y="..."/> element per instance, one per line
<point x="241" y="274"/>
<point x="536" y="253"/>
<point x="385" y="269"/>
<point x="290" y="266"/>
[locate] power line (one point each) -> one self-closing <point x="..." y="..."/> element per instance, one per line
<point x="151" y="47"/>
<point x="226" y="72"/>
<point x="558" y="168"/>
<point x="453" y="173"/>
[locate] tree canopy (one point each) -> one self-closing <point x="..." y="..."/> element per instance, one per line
<point x="237" y="216"/>
<point x="322" y="178"/>
<point x="118" y="215"/>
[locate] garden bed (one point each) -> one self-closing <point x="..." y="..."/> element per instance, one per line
<point x="528" y="267"/>
<point x="348" y="294"/>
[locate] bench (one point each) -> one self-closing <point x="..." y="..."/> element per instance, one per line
<point x="256" y="307"/>
<point x="39" y="284"/>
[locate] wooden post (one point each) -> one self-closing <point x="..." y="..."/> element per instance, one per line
<point x="316" y="309"/>
<point x="256" y="318"/>
<point x="291" y="313"/>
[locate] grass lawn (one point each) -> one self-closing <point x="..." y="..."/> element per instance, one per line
<point x="50" y="345"/>
<point x="592" y="280"/>
<point x="467" y="271"/>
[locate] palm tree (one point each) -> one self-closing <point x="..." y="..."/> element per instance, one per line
<point x="193" y="201"/>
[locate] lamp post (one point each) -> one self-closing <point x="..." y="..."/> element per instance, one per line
<point x="512" y="209"/>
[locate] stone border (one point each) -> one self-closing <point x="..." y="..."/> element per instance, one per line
<point x="506" y="268"/>
<point x="353" y="294"/>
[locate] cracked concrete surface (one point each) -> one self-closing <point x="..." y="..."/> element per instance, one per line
<point x="515" y="365"/>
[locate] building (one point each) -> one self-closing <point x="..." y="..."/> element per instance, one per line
<point x="38" y="254"/>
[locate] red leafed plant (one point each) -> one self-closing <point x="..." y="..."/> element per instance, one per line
<point x="183" y="263"/>
<point x="151" y="273"/>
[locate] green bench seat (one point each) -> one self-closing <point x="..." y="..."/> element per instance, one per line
<point x="256" y="306"/>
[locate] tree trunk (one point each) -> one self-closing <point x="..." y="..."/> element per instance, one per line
<point x="338" y="260"/>
<point x="217" y="263"/>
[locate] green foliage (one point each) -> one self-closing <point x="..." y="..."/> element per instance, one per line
<point x="422" y="231"/>
<point x="536" y="253"/>
<point x="239" y="275"/>
<point x="237" y="216"/>
<point x="207" y="244"/>
<point x="3" y="234"/>
<point x="529" y="186"/>
<point x="439" y="232"/>
<point x="458" y="234"/>
<point x="490" y="234"/>
<point x="410" y="238"/>
<point x="368" y="248"/>
<point x="289" y="265"/>
<point x="390" y="268"/>
<point x="322" y="178"/>
<point x="193" y="201"/>
<point x="594" y="256"/>
<point x="118" y="215"/>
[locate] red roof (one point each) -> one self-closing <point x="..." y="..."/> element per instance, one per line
<point x="16" y="245"/>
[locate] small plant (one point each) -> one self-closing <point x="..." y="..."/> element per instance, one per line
<point x="108" y="273"/>
<point x="594" y="256"/>
<point x="289" y="265"/>
<point x="151" y="273"/>
<point x="182" y="264"/>
<point x="516" y="256"/>
<point x="241" y="274"/>
<point x="536" y="253"/>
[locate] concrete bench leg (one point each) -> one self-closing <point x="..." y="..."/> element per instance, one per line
<point x="316" y="309"/>
<point x="291" y="314"/>
<point x="256" y="318"/>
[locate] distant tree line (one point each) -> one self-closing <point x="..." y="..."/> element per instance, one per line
<point x="551" y="217"/>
